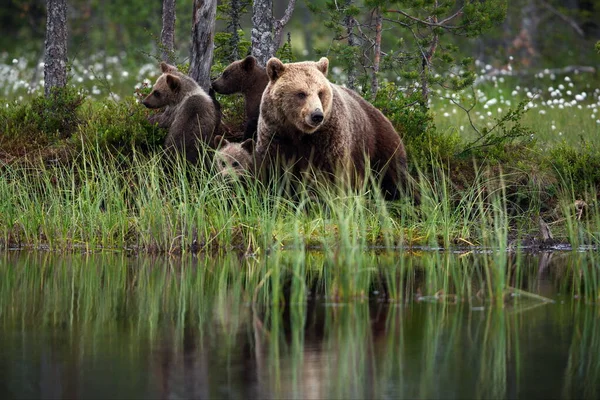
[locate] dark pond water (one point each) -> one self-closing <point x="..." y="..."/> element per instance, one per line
<point x="420" y="325"/>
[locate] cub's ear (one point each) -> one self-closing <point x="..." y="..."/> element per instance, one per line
<point x="275" y="69"/>
<point x="219" y="141"/>
<point x="248" y="145"/>
<point x="323" y="65"/>
<point x="166" y="68"/>
<point x="173" y="82"/>
<point x="248" y="63"/>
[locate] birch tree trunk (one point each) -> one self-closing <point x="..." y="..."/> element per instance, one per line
<point x="266" y="31"/>
<point x="167" y="35"/>
<point x="262" y="30"/>
<point x="376" y="52"/>
<point x="349" y="23"/>
<point x="55" y="56"/>
<point x="203" y="41"/>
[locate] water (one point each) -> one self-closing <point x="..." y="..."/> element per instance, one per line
<point x="299" y="325"/>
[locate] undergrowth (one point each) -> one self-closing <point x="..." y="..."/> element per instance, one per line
<point x="103" y="181"/>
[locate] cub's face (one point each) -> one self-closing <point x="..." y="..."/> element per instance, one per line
<point x="235" y="76"/>
<point x="301" y="92"/>
<point x="233" y="160"/>
<point x="163" y="92"/>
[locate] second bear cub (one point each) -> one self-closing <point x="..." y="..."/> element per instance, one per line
<point x="246" y="77"/>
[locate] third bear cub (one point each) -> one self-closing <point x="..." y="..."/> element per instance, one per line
<point x="232" y="159"/>
<point x="190" y="114"/>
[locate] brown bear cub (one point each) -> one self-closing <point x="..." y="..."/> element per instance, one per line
<point x="232" y="159"/>
<point x="190" y="114"/>
<point x="307" y="122"/>
<point x="246" y="77"/>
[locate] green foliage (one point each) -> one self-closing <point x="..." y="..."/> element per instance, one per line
<point x="123" y="126"/>
<point x="414" y="123"/>
<point x="231" y="45"/>
<point x="494" y="142"/>
<point x="285" y="53"/>
<point x="578" y="165"/>
<point x="53" y="117"/>
<point x="598" y="47"/>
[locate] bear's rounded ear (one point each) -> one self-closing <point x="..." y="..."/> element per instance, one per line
<point x="164" y="67"/>
<point x="173" y="82"/>
<point x="323" y="65"/>
<point x="219" y="141"/>
<point x="248" y="63"/>
<point x="248" y="145"/>
<point x="275" y="68"/>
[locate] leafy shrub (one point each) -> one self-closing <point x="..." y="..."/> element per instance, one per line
<point x="122" y="126"/>
<point x="577" y="165"/>
<point x="44" y="118"/>
<point x="412" y="119"/>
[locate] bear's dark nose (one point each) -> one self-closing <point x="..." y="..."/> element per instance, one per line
<point x="317" y="117"/>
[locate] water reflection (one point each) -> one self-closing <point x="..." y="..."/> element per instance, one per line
<point x="305" y="325"/>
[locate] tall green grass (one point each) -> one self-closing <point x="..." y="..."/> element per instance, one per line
<point x="149" y="203"/>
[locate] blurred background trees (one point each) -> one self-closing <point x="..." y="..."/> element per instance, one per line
<point x="535" y="32"/>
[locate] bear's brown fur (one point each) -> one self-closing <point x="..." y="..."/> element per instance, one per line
<point x="233" y="159"/>
<point x="246" y="77"/>
<point x="189" y="113"/>
<point x="307" y="122"/>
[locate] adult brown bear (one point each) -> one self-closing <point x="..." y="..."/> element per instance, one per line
<point x="307" y="122"/>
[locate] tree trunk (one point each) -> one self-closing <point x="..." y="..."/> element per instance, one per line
<point x="376" y="52"/>
<point x="203" y="35"/>
<point x="167" y="35"/>
<point x="234" y="41"/>
<point x="55" y="57"/>
<point x="524" y="45"/>
<point x="266" y="31"/>
<point x="349" y="23"/>
<point x="262" y="30"/>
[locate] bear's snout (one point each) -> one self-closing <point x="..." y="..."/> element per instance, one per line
<point x="316" y="117"/>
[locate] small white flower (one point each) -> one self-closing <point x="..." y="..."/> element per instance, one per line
<point x="567" y="79"/>
<point x="542" y="112"/>
<point x="15" y="61"/>
<point x="124" y="74"/>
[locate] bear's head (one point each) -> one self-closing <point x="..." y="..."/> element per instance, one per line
<point x="238" y="76"/>
<point x="232" y="159"/>
<point x="301" y="92"/>
<point x="170" y="88"/>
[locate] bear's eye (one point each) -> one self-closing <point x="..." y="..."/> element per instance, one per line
<point x="225" y="74"/>
<point x="156" y="94"/>
<point x="235" y="164"/>
<point x="301" y="95"/>
<point x="321" y="93"/>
